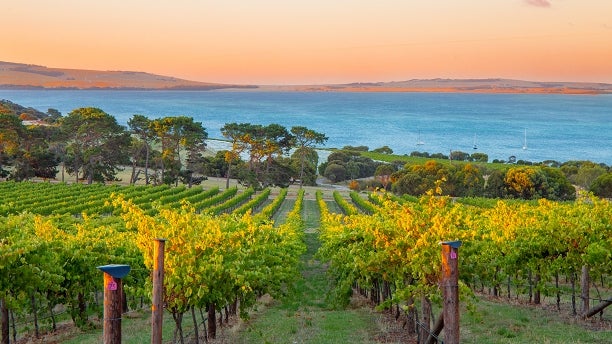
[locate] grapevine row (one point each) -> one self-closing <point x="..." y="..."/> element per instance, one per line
<point x="346" y="207"/>
<point x="212" y="260"/>
<point x="254" y="202"/>
<point x="394" y="254"/>
<point x="365" y="206"/>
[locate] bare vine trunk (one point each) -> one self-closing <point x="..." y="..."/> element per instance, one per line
<point x="35" y="312"/>
<point x="411" y="316"/>
<point x="212" y="321"/>
<point x="537" y="295"/>
<point x="558" y="291"/>
<point x="146" y="171"/>
<point x="195" y="325"/>
<point x="4" y="319"/>
<point x="178" y="322"/>
<point x="227" y="179"/>
<point x="573" y="281"/>
<point x="426" y="324"/>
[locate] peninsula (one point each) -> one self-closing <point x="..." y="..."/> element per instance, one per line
<point x="27" y="76"/>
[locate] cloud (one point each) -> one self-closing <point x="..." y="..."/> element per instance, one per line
<point x="538" y="3"/>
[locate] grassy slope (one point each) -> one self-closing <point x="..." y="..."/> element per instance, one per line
<point x="495" y="322"/>
<point x="135" y="329"/>
<point x="420" y="160"/>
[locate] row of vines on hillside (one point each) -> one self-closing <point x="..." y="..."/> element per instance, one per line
<point x="212" y="260"/>
<point x="394" y="254"/>
<point x="74" y="199"/>
<point x="347" y="207"/>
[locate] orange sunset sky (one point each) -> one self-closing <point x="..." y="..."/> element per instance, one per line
<point x="316" y="41"/>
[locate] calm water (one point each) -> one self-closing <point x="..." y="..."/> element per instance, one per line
<point x="557" y="127"/>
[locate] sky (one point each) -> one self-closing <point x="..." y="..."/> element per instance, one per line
<point x="316" y="41"/>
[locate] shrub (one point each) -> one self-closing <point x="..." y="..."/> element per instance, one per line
<point x="602" y="186"/>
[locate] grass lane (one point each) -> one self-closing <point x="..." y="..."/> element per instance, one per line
<point x="305" y="314"/>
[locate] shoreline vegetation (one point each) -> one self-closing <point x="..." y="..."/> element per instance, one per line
<point x="18" y="76"/>
<point x="359" y="168"/>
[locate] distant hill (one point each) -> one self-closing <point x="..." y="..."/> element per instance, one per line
<point x="25" y="76"/>
<point x="459" y="85"/>
<point x="9" y="108"/>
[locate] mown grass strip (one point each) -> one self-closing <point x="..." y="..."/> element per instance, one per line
<point x="305" y="315"/>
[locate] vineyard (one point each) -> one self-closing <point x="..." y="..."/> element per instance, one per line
<point x="228" y="248"/>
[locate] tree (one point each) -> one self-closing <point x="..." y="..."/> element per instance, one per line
<point x="341" y="156"/>
<point x="305" y="138"/>
<point x="409" y="182"/>
<point x="479" y="157"/>
<point x="279" y="172"/>
<point x="459" y="156"/>
<point x="354" y="164"/>
<point x="97" y="144"/>
<point x="384" y="172"/>
<point x="11" y="131"/>
<point x="53" y="115"/>
<point x="383" y="150"/>
<point x="194" y="140"/>
<point x="586" y="174"/>
<point x="602" y="186"/>
<point x="470" y="180"/>
<point x="521" y="182"/>
<point x="141" y="127"/>
<point x="495" y="186"/>
<point x="35" y="158"/>
<point x="335" y="172"/>
<point x="558" y="186"/>
<point x="263" y="144"/>
<point x="431" y="172"/>
<point x="356" y="148"/>
<point x="305" y="161"/>
<point x="216" y="166"/>
<point x="174" y="133"/>
<point x="238" y="136"/>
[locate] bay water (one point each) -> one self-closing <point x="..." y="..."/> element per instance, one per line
<point x="532" y="127"/>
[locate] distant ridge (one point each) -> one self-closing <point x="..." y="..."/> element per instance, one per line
<point x="462" y="86"/>
<point x="27" y="76"/>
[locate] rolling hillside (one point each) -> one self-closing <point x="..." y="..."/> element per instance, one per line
<point x="26" y="76"/>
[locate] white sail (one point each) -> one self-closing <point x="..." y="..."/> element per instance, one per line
<point x="419" y="141"/>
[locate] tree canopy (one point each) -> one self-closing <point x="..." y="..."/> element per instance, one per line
<point x="96" y="144"/>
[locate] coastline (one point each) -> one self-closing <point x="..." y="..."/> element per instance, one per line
<point x="322" y="89"/>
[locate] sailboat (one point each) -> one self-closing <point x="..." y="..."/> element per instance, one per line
<point x="525" y="140"/>
<point x="419" y="142"/>
<point x="475" y="147"/>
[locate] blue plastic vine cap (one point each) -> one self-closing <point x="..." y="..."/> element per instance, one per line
<point x="453" y="244"/>
<point x="115" y="270"/>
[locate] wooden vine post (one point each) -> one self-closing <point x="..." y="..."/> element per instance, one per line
<point x="113" y="305"/>
<point x="450" y="286"/>
<point x="157" y="308"/>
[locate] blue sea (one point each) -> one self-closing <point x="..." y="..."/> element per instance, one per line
<point x="552" y="127"/>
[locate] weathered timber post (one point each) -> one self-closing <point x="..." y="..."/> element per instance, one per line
<point x="450" y="286"/>
<point x="157" y="308"/>
<point x="113" y="293"/>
